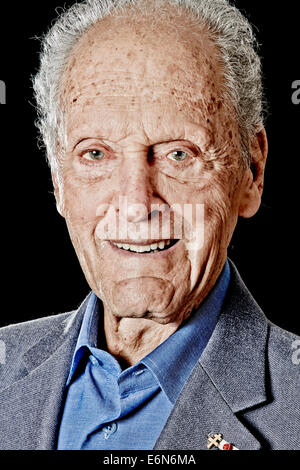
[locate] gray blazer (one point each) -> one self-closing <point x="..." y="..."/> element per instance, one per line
<point x="245" y="385"/>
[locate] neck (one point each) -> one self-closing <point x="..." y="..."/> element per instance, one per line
<point x="131" y="339"/>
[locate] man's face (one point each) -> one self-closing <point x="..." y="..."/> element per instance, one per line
<point x="148" y="138"/>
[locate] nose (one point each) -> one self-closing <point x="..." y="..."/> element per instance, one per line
<point x="135" y="189"/>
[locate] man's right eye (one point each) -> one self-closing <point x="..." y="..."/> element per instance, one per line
<point x="93" y="155"/>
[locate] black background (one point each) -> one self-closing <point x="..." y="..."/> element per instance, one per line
<point x="40" y="271"/>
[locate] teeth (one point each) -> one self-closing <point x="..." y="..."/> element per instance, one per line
<point x="143" y="248"/>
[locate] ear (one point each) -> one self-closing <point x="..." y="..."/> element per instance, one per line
<point x="57" y="194"/>
<point x="253" y="180"/>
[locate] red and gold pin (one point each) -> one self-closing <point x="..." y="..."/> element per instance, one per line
<point x="216" y="440"/>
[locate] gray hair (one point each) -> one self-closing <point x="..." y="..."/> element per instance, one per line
<point x="230" y="30"/>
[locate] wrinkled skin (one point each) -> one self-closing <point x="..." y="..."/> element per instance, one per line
<point x="136" y="97"/>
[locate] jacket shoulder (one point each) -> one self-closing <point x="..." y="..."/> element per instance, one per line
<point x="16" y="339"/>
<point x="278" y="420"/>
<point x="284" y="355"/>
<point x="34" y="328"/>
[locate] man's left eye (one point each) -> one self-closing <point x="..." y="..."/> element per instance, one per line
<point x="93" y="155"/>
<point x="178" y="155"/>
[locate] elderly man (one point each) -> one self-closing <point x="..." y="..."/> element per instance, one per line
<point x="152" y="120"/>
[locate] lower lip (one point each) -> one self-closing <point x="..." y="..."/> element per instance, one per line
<point x="147" y="254"/>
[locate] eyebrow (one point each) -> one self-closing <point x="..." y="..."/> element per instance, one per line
<point x="195" y="131"/>
<point x="179" y="139"/>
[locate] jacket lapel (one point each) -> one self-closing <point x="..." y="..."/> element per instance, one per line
<point x="30" y="407"/>
<point x="229" y="378"/>
<point x="200" y="411"/>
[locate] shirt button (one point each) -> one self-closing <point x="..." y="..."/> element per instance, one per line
<point x="93" y="360"/>
<point x="109" y="430"/>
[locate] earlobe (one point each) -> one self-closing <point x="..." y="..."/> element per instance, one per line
<point x="251" y="197"/>
<point x="253" y="182"/>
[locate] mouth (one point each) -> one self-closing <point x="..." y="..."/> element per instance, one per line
<point x="146" y="247"/>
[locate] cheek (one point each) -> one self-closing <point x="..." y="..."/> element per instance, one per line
<point x="221" y="210"/>
<point x="218" y="199"/>
<point x="80" y="200"/>
<point x="209" y="201"/>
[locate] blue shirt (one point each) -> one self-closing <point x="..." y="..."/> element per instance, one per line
<point x="107" y="408"/>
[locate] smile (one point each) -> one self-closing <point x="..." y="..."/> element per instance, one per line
<point x="156" y="247"/>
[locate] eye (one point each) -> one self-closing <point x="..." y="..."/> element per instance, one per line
<point x="178" y="155"/>
<point x="93" y="155"/>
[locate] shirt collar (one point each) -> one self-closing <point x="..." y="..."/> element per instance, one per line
<point x="88" y="332"/>
<point x="173" y="360"/>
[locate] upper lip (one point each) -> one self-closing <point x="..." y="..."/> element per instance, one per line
<point x="141" y="242"/>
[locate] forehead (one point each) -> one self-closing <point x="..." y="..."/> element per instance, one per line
<point x="140" y="66"/>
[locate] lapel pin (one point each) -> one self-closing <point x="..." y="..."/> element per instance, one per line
<point x="216" y="440"/>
